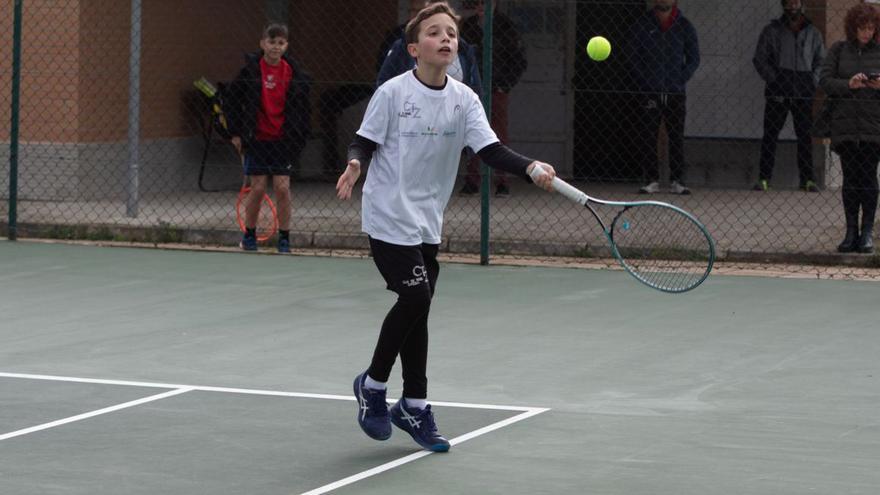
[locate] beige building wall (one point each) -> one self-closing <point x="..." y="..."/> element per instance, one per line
<point x="75" y="54"/>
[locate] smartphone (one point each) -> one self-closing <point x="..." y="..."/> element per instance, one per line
<point x="874" y="76"/>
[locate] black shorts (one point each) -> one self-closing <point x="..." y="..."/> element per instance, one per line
<point x="406" y="269"/>
<point x="267" y="158"/>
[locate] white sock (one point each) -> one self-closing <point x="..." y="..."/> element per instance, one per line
<point x="373" y="384"/>
<point x="416" y="403"/>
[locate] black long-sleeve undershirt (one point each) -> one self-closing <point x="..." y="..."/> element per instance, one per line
<point x="495" y="155"/>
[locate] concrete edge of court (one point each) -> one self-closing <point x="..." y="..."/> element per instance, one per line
<point x="780" y="265"/>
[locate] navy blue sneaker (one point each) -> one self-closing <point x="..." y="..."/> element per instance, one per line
<point x="419" y="423"/>
<point x="283" y="245"/>
<point x="372" y="410"/>
<point x="248" y="243"/>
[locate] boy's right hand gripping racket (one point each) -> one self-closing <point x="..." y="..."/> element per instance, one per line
<point x="661" y="245"/>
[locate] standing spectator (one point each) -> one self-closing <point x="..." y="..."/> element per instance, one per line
<point x="789" y="53"/>
<point x="508" y="65"/>
<point x="335" y="101"/>
<point x="850" y="76"/>
<point x="268" y="112"/>
<point x="662" y="53"/>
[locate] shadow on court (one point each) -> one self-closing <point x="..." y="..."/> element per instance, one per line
<point x="746" y="385"/>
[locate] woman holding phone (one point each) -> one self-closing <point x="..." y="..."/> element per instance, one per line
<point x="850" y="76"/>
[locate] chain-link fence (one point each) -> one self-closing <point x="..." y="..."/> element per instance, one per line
<point x="115" y="141"/>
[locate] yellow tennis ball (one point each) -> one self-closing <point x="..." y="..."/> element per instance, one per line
<point x="598" y="48"/>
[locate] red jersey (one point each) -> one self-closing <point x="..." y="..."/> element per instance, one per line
<point x="275" y="81"/>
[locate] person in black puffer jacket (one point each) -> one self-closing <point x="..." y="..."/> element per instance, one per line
<point x="850" y="76"/>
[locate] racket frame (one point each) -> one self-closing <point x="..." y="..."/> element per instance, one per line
<point x="582" y="198"/>
<point x="266" y="203"/>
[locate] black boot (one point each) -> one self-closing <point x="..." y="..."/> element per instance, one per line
<point x="851" y="213"/>
<point x="866" y="240"/>
<point x="850" y="241"/>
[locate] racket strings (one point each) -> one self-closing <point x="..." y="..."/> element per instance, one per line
<point x="662" y="246"/>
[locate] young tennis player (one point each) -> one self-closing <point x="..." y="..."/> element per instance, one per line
<point x="415" y="128"/>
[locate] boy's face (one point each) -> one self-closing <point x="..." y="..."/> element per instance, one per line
<point x="273" y="49"/>
<point x="438" y="41"/>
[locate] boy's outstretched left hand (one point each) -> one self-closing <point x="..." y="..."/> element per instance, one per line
<point x="543" y="180"/>
<point x="348" y="179"/>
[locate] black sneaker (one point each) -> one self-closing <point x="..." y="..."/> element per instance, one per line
<point x="419" y="423"/>
<point x="502" y="191"/>
<point x="762" y="185"/>
<point x="372" y="410"/>
<point x="469" y="189"/>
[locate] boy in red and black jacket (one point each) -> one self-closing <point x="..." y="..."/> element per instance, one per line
<point x="268" y="112"/>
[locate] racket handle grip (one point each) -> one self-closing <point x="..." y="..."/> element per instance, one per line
<point x="562" y="187"/>
<point x="570" y="192"/>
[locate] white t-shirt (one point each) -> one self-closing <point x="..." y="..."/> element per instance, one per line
<point x="421" y="133"/>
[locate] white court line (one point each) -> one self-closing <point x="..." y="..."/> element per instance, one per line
<point x="247" y="391"/>
<point x="525" y="413"/>
<point x="418" y="455"/>
<point x="80" y="417"/>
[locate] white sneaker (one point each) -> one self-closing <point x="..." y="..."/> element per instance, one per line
<point x="650" y="188"/>
<point x="676" y="188"/>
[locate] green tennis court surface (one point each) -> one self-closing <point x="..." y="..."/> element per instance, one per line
<point x="129" y="371"/>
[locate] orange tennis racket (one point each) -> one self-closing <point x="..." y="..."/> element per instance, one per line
<point x="267" y="221"/>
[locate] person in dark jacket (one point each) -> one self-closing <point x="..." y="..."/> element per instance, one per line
<point x="662" y="53"/>
<point x="789" y="53"/>
<point x="508" y="65"/>
<point x="268" y="114"/>
<point x="850" y="76"/>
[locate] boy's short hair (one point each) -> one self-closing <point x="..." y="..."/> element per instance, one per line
<point x="413" y="26"/>
<point x="275" y="30"/>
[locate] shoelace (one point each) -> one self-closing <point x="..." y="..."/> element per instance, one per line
<point x="428" y="417"/>
<point x="376" y="405"/>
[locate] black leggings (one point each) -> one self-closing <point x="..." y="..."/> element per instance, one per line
<point x="860" y="187"/>
<point x="411" y="272"/>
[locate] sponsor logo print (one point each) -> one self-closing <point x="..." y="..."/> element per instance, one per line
<point x="420" y="276"/>
<point x="410" y="111"/>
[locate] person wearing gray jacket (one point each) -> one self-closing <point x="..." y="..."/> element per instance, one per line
<point x="789" y="53"/>
<point x="850" y="76"/>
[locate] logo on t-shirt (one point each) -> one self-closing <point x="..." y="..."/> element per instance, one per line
<point x="270" y="81"/>
<point x="410" y="110"/>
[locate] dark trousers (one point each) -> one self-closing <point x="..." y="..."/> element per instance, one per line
<point x="411" y="272"/>
<point x="860" y="187"/>
<point x="671" y="109"/>
<point x="776" y="110"/>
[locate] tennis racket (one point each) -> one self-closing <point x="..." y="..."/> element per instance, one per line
<point x="661" y="245"/>
<point x="267" y="221"/>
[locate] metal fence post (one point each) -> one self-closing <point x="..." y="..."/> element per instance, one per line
<point x="486" y="181"/>
<point x="15" y="117"/>
<point x="134" y="105"/>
